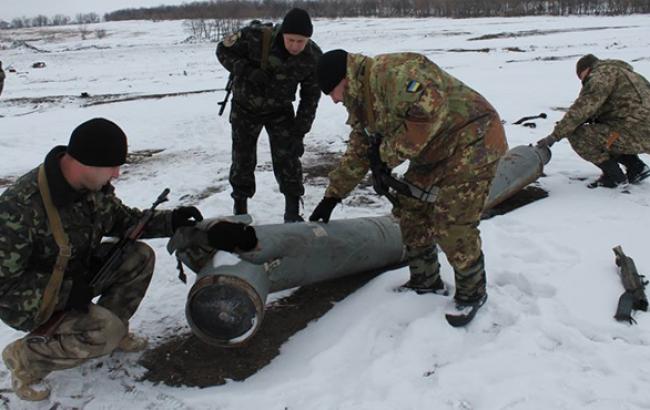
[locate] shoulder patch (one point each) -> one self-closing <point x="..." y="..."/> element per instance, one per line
<point x="413" y="86"/>
<point x="231" y="39"/>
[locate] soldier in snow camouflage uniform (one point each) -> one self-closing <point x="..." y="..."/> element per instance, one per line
<point x="453" y="139"/>
<point x="78" y="177"/>
<point x="264" y="89"/>
<point x="609" y="123"/>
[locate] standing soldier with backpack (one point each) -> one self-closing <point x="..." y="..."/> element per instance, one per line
<point x="268" y="63"/>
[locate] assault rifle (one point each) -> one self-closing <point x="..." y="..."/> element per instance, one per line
<point x="106" y="273"/>
<point x="225" y="99"/>
<point x="634" y="296"/>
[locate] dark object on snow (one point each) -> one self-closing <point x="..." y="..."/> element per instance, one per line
<point x="532" y="117"/>
<point x="529" y="125"/>
<point x="38" y="64"/>
<point x="84" y="95"/>
<point x="634" y="296"/>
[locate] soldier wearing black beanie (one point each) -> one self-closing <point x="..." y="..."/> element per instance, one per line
<point x="331" y="69"/>
<point x="297" y="21"/>
<point x="98" y="143"/>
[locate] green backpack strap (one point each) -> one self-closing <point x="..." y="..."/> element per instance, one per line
<point x="51" y="293"/>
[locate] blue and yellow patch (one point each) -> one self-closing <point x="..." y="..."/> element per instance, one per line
<point x="413" y="86"/>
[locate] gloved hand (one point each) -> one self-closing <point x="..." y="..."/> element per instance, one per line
<point x="547" y="141"/>
<point x="230" y="236"/>
<point x="378" y="181"/>
<point x="324" y="209"/>
<point x="185" y="216"/>
<point x="80" y="295"/>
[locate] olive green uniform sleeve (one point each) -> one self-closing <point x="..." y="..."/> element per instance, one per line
<point x="352" y="168"/>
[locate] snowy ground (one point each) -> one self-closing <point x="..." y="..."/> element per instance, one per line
<point x="545" y="340"/>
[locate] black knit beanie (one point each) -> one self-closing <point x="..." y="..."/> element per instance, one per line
<point x="331" y="69"/>
<point x="297" y="21"/>
<point x="98" y="143"/>
<point x="585" y="62"/>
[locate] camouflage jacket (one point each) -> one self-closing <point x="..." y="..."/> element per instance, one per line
<point x="611" y="94"/>
<point x="27" y="247"/>
<point x="419" y="110"/>
<point x="286" y="71"/>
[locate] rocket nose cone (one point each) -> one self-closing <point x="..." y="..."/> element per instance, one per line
<point x="223" y="312"/>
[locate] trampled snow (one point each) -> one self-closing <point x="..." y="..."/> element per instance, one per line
<point x="546" y="339"/>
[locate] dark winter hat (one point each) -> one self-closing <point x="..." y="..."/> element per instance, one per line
<point x="585" y="62"/>
<point x="297" y="21"/>
<point x="98" y="143"/>
<point x="331" y="69"/>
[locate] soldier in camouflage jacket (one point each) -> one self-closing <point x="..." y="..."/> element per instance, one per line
<point x="264" y="89"/>
<point x="453" y="139"/>
<point x="609" y="122"/>
<point x="78" y="177"/>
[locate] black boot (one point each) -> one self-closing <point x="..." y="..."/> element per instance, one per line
<point x="612" y="175"/>
<point x="637" y="170"/>
<point x="292" y="209"/>
<point x="240" y="207"/>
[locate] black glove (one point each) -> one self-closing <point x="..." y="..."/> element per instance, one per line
<point x="185" y="216"/>
<point x="379" y="175"/>
<point x="547" y="141"/>
<point x="229" y="236"/>
<point x="80" y="295"/>
<point x="324" y="209"/>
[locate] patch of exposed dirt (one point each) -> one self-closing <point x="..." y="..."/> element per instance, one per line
<point x="527" y="33"/>
<point x="137" y="157"/>
<point x="529" y="194"/>
<point x="184" y="360"/>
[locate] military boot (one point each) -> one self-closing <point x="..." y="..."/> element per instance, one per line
<point x="292" y="209"/>
<point x="22" y="380"/>
<point x="425" y="272"/>
<point x="612" y="175"/>
<point x="636" y="169"/>
<point x="240" y="207"/>
<point x="132" y="343"/>
<point x="470" y="294"/>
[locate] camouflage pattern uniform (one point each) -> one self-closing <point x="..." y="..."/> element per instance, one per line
<point x="611" y="116"/>
<point x="453" y="138"/>
<point x="269" y="106"/>
<point x="27" y="255"/>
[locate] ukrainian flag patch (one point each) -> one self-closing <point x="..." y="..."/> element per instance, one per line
<point x="413" y="86"/>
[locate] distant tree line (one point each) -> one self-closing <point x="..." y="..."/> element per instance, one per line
<point x="275" y="9"/>
<point x="44" y="21"/>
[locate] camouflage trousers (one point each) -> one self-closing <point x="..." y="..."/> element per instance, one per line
<point x="286" y="149"/>
<point x="597" y="143"/>
<point x="451" y="223"/>
<point x="83" y="336"/>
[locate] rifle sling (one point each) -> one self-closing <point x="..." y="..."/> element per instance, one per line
<point x="51" y="292"/>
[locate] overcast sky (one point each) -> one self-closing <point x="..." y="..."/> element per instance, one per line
<point x="30" y="8"/>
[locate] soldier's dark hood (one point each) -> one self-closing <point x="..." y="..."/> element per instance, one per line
<point x="62" y="192"/>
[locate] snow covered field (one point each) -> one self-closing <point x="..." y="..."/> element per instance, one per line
<point x="546" y="338"/>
